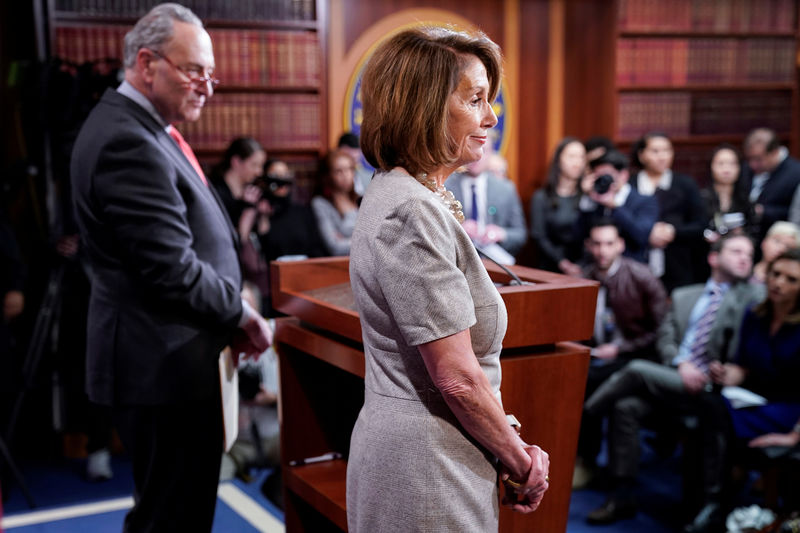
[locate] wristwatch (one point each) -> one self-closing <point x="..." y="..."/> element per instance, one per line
<point x="514" y="423"/>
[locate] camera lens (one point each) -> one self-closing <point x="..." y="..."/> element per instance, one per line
<point x="603" y="183"/>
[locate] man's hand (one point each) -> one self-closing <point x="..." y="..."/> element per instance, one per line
<point x="693" y="378"/>
<point x="775" y="439"/>
<point x="253" y="337"/>
<point x="569" y="268"/>
<point x="662" y="234"/>
<point x="13" y="304"/>
<point x="606" y="352"/>
<point x="471" y="227"/>
<point x="492" y="234"/>
<point x="727" y="375"/>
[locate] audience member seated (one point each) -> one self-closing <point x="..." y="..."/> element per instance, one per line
<point x="727" y="205"/>
<point x="348" y="142"/>
<point x="771" y="177"/>
<point x="492" y="208"/>
<point x="700" y="327"/>
<point x="782" y="236"/>
<point x="554" y="211"/>
<point x="681" y="215"/>
<point x="767" y="363"/>
<point x="607" y="193"/>
<point x="336" y="204"/>
<point x="631" y="304"/>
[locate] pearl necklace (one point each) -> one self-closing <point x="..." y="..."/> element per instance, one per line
<point x="446" y="197"/>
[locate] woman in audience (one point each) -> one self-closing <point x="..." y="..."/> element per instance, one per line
<point x="780" y="237"/>
<point x="554" y="210"/>
<point x="432" y="435"/>
<point x="681" y="220"/>
<point x="233" y="178"/>
<point x="768" y="364"/>
<point x="336" y="207"/>
<point x="726" y="202"/>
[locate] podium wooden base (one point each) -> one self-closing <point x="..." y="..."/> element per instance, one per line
<point x="322" y="387"/>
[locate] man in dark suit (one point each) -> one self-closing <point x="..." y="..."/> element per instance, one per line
<point x="165" y="295"/>
<point x="492" y="206"/>
<point x="633" y="214"/>
<point x="701" y="326"/>
<point x="771" y="176"/>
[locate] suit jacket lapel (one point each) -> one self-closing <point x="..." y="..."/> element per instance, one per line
<point x="170" y="147"/>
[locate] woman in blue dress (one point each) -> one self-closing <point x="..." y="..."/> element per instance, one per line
<point x="768" y="364"/>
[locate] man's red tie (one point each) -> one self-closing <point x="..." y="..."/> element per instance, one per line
<point x="187" y="151"/>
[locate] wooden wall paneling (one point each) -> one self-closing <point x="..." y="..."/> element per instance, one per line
<point x="361" y="14"/>
<point x="589" y="70"/>
<point x="531" y="114"/>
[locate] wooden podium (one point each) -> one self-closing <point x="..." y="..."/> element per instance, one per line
<point x="322" y="383"/>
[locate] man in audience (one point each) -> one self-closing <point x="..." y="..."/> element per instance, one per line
<point x="702" y="326"/>
<point x="492" y="207"/>
<point x="607" y="193"/>
<point x="348" y="142"/>
<point x="165" y="277"/>
<point x="771" y="176"/>
<point x="631" y="305"/>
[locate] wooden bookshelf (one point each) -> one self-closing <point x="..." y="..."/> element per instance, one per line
<point x="270" y="61"/>
<point x="702" y="71"/>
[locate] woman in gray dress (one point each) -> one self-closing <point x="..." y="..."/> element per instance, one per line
<point x="432" y="435"/>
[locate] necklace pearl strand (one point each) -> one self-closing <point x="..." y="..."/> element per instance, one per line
<point x="446" y="197"/>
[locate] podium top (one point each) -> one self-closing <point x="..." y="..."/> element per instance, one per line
<point x="549" y="308"/>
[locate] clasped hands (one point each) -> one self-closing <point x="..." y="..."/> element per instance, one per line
<point x="525" y="495"/>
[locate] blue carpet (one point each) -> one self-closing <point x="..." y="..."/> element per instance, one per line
<point x="61" y="483"/>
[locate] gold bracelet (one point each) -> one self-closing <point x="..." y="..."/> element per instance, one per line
<point x="513" y="484"/>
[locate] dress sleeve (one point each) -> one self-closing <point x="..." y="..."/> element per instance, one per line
<point x="417" y="254"/>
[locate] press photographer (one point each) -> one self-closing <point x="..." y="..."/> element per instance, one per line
<point x="607" y="193"/>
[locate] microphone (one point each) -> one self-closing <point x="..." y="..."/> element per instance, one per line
<point x="514" y="278"/>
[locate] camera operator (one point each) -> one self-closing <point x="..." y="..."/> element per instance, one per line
<point x="284" y="229"/>
<point x="607" y="193"/>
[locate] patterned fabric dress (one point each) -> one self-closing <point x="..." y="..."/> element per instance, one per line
<point x="416" y="278"/>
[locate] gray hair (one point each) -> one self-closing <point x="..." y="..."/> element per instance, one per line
<point x="154" y="30"/>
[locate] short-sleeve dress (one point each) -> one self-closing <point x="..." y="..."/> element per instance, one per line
<point x="416" y="278"/>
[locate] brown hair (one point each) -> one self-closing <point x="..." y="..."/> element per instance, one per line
<point x="325" y="185"/>
<point x="764" y="309"/>
<point x="405" y="91"/>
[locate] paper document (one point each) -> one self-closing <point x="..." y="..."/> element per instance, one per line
<point x="229" y="388"/>
<point x="740" y="397"/>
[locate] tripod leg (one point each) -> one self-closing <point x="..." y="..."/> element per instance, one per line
<point x="17" y="474"/>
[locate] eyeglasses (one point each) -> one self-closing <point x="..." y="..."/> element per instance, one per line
<point x="194" y="78"/>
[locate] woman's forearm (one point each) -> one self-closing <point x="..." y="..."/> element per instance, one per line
<point x="455" y="371"/>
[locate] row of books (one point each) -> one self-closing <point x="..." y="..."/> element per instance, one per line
<point x="642" y="61"/>
<point x="739" y="113"/>
<point x="244" y="10"/>
<point x="243" y="57"/>
<point x="707" y="15"/>
<point x="683" y="114"/>
<point x="273" y="58"/>
<point x="278" y="121"/>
